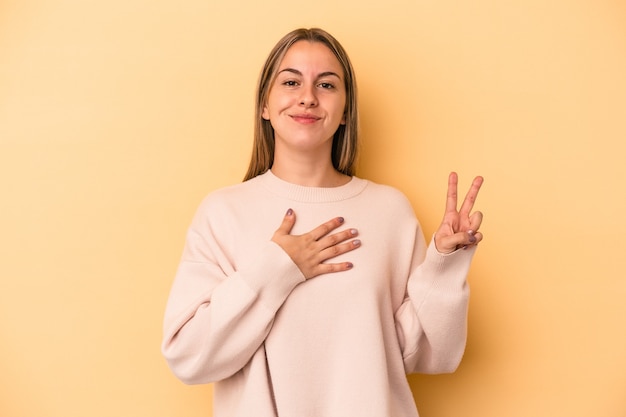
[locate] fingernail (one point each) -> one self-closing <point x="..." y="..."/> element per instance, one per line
<point x="354" y="232"/>
<point x="340" y="219"/>
<point x="472" y="238"/>
<point x="356" y="242"/>
<point x="349" y="265"/>
<point x="289" y="212"/>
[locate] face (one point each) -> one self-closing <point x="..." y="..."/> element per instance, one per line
<point x="307" y="101"/>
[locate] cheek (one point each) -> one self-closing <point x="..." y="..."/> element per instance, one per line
<point x="273" y="104"/>
<point x="344" y="112"/>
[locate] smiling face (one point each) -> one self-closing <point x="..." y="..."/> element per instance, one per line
<point x="307" y="100"/>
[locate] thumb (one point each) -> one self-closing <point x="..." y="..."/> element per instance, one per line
<point x="287" y="224"/>
<point x="447" y="244"/>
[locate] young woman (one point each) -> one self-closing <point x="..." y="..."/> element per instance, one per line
<point x="306" y="291"/>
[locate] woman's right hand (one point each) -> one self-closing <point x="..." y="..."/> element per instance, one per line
<point x="309" y="251"/>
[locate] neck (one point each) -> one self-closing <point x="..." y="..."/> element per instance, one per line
<point x="309" y="175"/>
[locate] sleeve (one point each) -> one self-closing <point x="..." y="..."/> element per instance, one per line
<point x="431" y="323"/>
<point x="217" y="317"/>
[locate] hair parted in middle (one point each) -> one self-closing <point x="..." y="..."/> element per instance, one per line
<point x="345" y="140"/>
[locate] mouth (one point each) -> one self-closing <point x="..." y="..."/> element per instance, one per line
<point x="305" y="118"/>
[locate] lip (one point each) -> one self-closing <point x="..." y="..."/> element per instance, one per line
<point x="305" y="118"/>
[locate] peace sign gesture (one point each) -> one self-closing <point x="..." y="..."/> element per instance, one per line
<point x="459" y="229"/>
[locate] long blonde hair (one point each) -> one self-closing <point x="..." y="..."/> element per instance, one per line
<point x="346" y="138"/>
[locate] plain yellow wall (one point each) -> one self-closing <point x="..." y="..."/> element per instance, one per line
<point x="117" y="117"/>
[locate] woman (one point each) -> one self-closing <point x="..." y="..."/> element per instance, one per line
<point x="307" y="291"/>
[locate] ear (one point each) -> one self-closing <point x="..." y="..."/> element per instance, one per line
<point x="266" y="114"/>
<point x="343" y="120"/>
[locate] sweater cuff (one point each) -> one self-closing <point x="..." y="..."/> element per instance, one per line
<point x="443" y="273"/>
<point x="272" y="275"/>
<point x="440" y="262"/>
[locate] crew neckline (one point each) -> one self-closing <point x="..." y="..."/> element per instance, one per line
<point x="306" y="194"/>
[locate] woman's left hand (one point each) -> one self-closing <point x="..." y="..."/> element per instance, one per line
<point x="459" y="229"/>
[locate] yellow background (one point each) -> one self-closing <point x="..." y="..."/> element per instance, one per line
<point x="117" y="117"/>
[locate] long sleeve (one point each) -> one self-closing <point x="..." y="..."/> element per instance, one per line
<point x="432" y="321"/>
<point x="217" y="316"/>
<point x="240" y="312"/>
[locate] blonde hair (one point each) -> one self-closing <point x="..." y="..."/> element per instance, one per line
<point x="346" y="138"/>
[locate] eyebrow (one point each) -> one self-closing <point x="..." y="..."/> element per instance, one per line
<point x="320" y="75"/>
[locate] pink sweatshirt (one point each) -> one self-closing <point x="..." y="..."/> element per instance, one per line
<point x="241" y="314"/>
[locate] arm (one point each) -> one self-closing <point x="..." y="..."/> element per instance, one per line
<point x="214" y="321"/>
<point x="432" y="321"/>
<point x="219" y="314"/>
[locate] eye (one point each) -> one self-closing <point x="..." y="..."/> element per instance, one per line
<point x="327" y="86"/>
<point x="290" y="83"/>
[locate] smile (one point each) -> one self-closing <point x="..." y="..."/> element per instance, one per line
<point x="305" y="118"/>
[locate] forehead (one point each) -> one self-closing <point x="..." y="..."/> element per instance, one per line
<point x="306" y="56"/>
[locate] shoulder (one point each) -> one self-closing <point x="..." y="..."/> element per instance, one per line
<point x="385" y="190"/>
<point x="389" y="197"/>
<point x="222" y="201"/>
<point x="229" y="193"/>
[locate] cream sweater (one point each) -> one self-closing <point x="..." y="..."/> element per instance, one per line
<point x="241" y="314"/>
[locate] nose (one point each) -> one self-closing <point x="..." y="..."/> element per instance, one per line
<point x="308" y="97"/>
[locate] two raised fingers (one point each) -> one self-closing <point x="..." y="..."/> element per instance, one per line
<point x="470" y="197"/>
<point x="459" y="228"/>
<point x="469" y="222"/>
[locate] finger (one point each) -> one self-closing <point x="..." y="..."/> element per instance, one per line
<point x="447" y="244"/>
<point x="476" y="220"/>
<point x="477" y="238"/>
<point x="451" y="197"/>
<point x="470" y="198"/>
<point x="339" y="249"/>
<point x="287" y="224"/>
<point x="336" y="238"/>
<point x="458" y="240"/>
<point x="333" y="267"/>
<point x="325" y="228"/>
